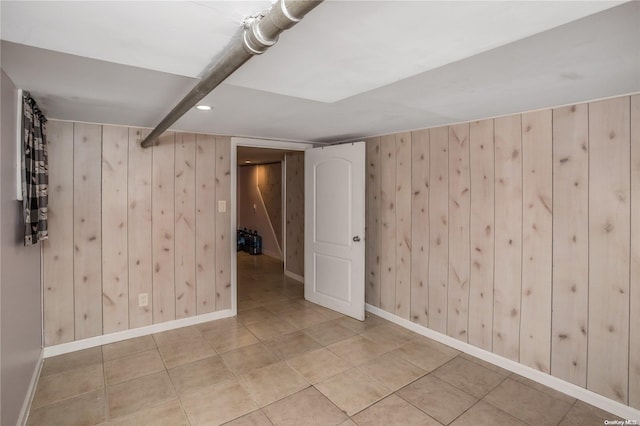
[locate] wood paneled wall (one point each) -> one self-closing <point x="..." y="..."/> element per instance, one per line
<point x="125" y="221"/>
<point x="294" y="213"/>
<point x="270" y="186"/>
<point x="520" y="235"/>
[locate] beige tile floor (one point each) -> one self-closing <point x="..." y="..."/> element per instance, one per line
<point x="285" y="361"/>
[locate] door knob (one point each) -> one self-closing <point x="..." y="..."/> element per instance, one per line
<point x="356" y="238"/>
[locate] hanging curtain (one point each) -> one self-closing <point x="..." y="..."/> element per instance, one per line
<point x="35" y="172"/>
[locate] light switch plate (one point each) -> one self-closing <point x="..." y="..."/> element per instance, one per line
<point x="222" y="206"/>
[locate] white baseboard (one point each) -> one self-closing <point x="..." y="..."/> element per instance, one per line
<point x="272" y="254"/>
<point x="136" y="332"/>
<point x="560" y="385"/>
<point x="294" y="276"/>
<point x="31" y="390"/>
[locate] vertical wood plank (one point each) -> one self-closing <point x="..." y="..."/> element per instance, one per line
<point x="372" y="236"/>
<point x="388" y="223"/>
<point x="87" y="275"/>
<point x="163" y="229"/>
<point x="570" y="243"/>
<point x="185" y="217"/>
<point x="459" y="210"/>
<point x="403" y="225"/>
<point x="139" y="230"/>
<point x="508" y="239"/>
<point x="634" y="293"/>
<point x="295" y="213"/>
<point x="609" y="230"/>
<point x="481" y="234"/>
<point x="223" y="223"/>
<point x="269" y="188"/>
<point x="537" y="222"/>
<point x="57" y="260"/>
<point x="205" y="223"/>
<point x="115" y="277"/>
<point x="420" y="227"/>
<point x="438" y="228"/>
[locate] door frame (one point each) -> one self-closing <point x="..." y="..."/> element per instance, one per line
<point x="233" y="208"/>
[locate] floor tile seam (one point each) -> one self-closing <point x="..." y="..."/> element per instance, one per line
<point x="482" y="400"/>
<point x="350" y="367"/>
<point x="132" y="413"/>
<point x="253" y="398"/>
<point x="410" y="403"/>
<point x="129" y="356"/>
<point x="500" y="409"/>
<point x="568" y="411"/>
<point x="235" y="374"/>
<point x="457" y="388"/>
<point x="428" y="374"/>
<point x="73" y="395"/>
<point x="334" y="353"/>
<point x="111" y="386"/>
<point x="416" y="365"/>
<point x="358" y="367"/>
<point x="385" y="351"/>
<point x="313" y="338"/>
<point x="445" y="424"/>
<point x="502" y="379"/>
<point x="297" y="371"/>
<point x="543" y="393"/>
<point x="104" y="389"/>
<point x="179" y="397"/>
<point x="68" y="371"/>
<point x="163" y="361"/>
<point x="302" y="390"/>
<point x="261" y="409"/>
<point x="549" y="394"/>
<point x="178" y="341"/>
<point x="304" y="327"/>
<point x="384" y="396"/>
<point x="173" y="385"/>
<point x="58" y="401"/>
<point x="423" y="374"/>
<point x="203" y="338"/>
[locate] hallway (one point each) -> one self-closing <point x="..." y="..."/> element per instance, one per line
<point x="284" y="361"/>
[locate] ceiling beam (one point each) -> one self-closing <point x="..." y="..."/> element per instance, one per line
<point x="260" y="31"/>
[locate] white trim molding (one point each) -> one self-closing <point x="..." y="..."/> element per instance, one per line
<point x="105" y="339"/>
<point x="31" y="391"/>
<point x="266" y="213"/>
<point x="272" y="254"/>
<point x="294" y="276"/>
<point x="560" y="385"/>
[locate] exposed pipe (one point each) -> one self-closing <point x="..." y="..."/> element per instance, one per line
<point x="260" y="32"/>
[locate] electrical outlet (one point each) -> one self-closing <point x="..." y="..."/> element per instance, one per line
<point x="143" y="300"/>
<point x="222" y="206"/>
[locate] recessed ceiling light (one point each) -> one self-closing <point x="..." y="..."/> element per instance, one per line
<point x="247" y="162"/>
<point x="203" y="107"/>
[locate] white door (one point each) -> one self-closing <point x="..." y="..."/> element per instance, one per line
<point x="334" y="227"/>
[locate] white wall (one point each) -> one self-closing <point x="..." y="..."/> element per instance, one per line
<point x="20" y="323"/>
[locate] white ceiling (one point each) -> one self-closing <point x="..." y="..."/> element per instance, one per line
<point x="248" y="155"/>
<point x="348" y="70"/>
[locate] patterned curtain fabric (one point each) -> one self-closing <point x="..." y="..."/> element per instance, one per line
<point x="35" y="172"/>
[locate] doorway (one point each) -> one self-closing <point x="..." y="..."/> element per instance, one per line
<point x="275" y="209"/>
